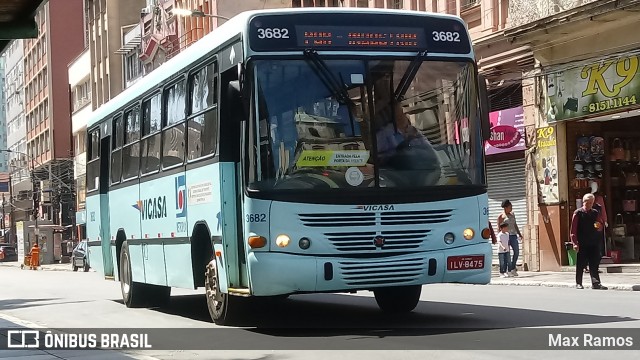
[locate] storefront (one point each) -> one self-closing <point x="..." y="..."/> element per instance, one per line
<point x="598" y="105"/>
<point x="506" y="167"/>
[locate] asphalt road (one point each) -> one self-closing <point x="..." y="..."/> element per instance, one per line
<point x="447" y="317"/>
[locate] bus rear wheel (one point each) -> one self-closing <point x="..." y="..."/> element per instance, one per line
<point x="132" y="292"/>
<point x="399" y="299"/>
<point x="220" y="305"/>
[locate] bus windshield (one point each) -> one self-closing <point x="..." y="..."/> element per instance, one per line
<point x="349" y="124"/>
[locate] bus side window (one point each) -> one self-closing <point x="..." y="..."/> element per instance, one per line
<point x="202" y="123"/>
<point x="93" y="163"/>
<point x="131" y="150"/>
<point x="174" y="111"/>
<point x="116" y="147"/>
<point x="150" y="158"/>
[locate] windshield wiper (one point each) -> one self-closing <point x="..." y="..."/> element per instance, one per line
<point x="408" y="76"/>
<point x="326" y="76"/>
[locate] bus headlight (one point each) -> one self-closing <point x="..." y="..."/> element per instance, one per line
<point x="283" y="240"/>
<point x="468" y="233"/>
<point x="304" y="243"/>
<point x="449" y="238"/>
<point x="256" y="242"/>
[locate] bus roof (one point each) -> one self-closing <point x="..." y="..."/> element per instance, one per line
<point x="225" y="32"/>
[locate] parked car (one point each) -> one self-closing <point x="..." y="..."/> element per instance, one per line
<point x="8" y="253"/>
<point x="79" y="258"/>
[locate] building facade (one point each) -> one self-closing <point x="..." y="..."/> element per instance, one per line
<point x="584" y="99"/>
<point x="19" y="167"/>
<point x="47" y="105"/>
<point x="81" y="110"/>
<point x="104" y="21"/>
<point x="4" y="166"/>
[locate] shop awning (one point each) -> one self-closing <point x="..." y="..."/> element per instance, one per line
<point x="17" y="20"/>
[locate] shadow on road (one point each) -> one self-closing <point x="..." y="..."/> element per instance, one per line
<point x="337" y="315"/>
<point x="11" y="304"/>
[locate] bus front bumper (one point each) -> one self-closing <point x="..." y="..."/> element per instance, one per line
<point x="274" y="273"/>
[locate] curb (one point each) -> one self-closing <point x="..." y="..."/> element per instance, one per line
<point x="621" y="287"/>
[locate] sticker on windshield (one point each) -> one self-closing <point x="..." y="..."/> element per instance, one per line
<point x="354" y="176"/>
<point x="310" y="158"/>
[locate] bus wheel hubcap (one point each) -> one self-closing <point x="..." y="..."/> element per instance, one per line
<point x="213" y="295"/>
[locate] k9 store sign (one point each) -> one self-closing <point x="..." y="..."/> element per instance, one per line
<point x="605" y="86"/>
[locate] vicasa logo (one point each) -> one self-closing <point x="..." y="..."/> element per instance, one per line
<point x="375" y="207"/>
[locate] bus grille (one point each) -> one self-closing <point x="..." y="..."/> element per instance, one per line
<point x="415" y="217"/>
<point x="381" y="273"/>
<point x="338" y="220"/>
<point x="355" y="241"/>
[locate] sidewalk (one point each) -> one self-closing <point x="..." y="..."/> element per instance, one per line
<point x="48" y="267"/>
<point x="615" y="281"/>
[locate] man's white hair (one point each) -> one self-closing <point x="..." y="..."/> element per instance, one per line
<point x="588" y="196"/>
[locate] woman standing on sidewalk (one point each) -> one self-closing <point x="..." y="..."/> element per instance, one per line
<point x="515" y="236"/>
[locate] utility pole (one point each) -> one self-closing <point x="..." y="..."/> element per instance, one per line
<point x="12" y="227"/>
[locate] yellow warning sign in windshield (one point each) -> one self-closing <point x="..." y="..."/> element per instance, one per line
<point x="324" y="158"/>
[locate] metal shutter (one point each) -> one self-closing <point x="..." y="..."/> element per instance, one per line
<point x="507" y="180"/>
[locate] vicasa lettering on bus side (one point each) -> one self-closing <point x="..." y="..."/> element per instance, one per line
<point x="155" y="208"/>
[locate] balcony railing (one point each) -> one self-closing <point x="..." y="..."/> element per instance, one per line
<point x="467" y="4"/>
<point x="522" y="12"/>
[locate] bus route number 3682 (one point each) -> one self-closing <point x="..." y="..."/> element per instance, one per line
<point x="273" y="33"/>
<point x="448" y="36"/>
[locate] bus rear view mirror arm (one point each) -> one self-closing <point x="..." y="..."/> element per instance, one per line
<point x="483" y="98"/>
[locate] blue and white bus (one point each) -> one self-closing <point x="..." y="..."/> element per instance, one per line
<point x="296" y="151"/>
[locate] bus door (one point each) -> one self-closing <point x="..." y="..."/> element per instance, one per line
<point x="230" y="171"/>
<point x="105" y="233"/>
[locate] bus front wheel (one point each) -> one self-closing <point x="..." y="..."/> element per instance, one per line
<point x="400" y="299"/>
<point x="220" y="305"/>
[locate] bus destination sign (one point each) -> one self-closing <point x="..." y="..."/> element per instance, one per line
<point x="361" y="38"/>
<point x="358" y="32"/>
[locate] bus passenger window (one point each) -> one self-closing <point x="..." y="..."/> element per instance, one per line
<point x="203" y="119"/>
<point x="131" y="151"/>
<point x="93" y="164"/>
<point x="151" y="115"/>
<point x="116" y="155"/>
<point x="173" y="135"/>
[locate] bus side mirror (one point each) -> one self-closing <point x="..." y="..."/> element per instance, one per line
<point x="483" y="95"/>
<point x="235" y="102"/>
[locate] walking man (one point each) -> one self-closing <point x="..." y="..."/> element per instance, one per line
<point x="586" y="232"/>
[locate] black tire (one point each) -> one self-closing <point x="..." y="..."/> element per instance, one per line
<point x="221" y="306"/>
<point x="400" y="299"/>
<point x="133" y="293"/>
<point x="85" y="266"/>
<point x="73" y="264"/>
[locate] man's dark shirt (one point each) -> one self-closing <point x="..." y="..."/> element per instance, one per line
<point x="583" y="231"/>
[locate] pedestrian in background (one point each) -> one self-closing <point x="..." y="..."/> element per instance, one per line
<point x="586" y="232"/>
<point x="503" y="249"/>
<point x="515" y="236"/>
<point x="35" y="257"/>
